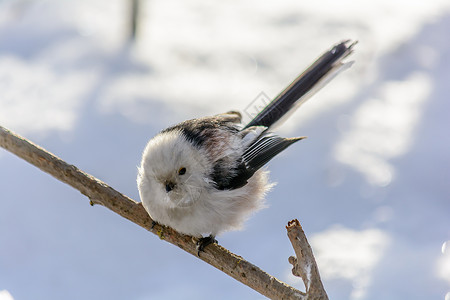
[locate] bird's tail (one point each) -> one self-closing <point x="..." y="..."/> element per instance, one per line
<point x="305" y="85"/>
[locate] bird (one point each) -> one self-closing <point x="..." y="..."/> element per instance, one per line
<point x="205" y="176"/>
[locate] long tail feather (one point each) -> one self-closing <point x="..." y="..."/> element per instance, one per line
<point x="304" y="86"/>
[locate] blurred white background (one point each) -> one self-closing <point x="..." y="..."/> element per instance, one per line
<point x="370" y="185"/>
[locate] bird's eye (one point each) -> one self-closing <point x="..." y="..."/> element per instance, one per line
<point x="182" y="171"/>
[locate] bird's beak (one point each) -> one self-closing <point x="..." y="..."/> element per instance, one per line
<point x="169" y="186"/>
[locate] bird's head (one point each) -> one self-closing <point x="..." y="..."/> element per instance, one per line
<point x="173" y="172"/>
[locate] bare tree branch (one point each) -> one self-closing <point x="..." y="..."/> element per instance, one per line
<point x="100" y="193"/>
<point x="134" y="19"/>
<point x="304" y="265"/>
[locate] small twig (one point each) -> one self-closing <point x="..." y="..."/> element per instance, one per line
<point x="304" y="265"/>
<point x="100" y="193"/>
<point x="134" y="19"/>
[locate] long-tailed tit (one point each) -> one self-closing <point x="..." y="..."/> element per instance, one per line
<point x="204" y="176"/>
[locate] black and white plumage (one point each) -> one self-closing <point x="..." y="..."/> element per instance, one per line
<point x="204" y="176"/>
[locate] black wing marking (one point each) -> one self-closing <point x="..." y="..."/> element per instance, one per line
<point x="226" y="179"/>
<point x="260" y="152"/>
<point x="198" y="131"/>
<point x="305" y="85"/>
<point x="264" y="149"/>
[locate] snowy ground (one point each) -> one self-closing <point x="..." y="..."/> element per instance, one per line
<point x="370" y="185"/>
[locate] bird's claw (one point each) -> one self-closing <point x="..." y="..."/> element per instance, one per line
<point x="153" y="225"/>
<point x="205" y="241"/>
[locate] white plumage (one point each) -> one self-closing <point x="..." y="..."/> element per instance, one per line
<point x="194" y="207"/>
<point x="204" y="176"/>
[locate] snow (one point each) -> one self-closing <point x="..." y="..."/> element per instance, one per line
<point x="26" y="91"/>
<point x="443" y="263"/>
<point x="350" y="254"/>
<point x="369" y="185"/>
<point x="382" y="128"/>
<point x="5" y="295"/>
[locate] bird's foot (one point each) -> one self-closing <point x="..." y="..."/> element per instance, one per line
<point x="205" y="241"/>
<point x="153" y="225"/>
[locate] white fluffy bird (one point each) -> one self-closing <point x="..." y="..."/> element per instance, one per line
<point x="203" y="176"/>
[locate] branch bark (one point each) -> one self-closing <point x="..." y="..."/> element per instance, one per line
<point x="100" y="193"/>
<point x="235" y="266"/>
<point x="304" y="265"/>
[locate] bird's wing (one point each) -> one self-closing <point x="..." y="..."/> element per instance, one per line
<point x="264" y="148"/>
<point x="231" y="116"/>
<point x="258" y="152"/>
